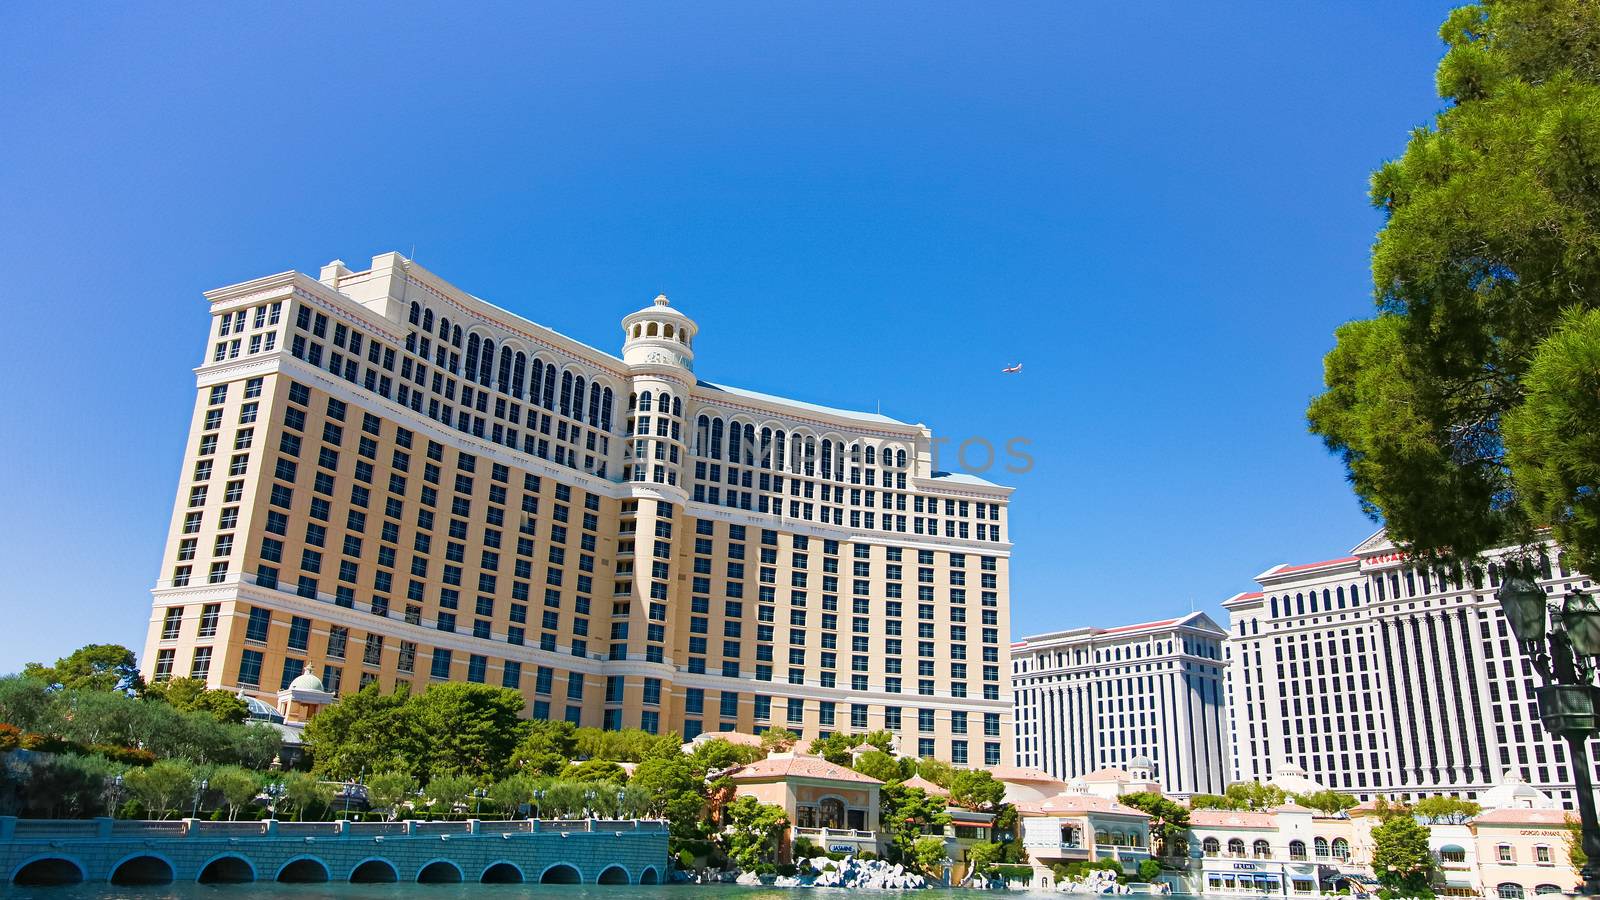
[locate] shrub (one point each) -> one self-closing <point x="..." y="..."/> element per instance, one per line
<point x="864" y="855"/>
<point x="49" y="743"/>
<point x="1011" y="872"/>
<point x="133" y="756"/>
<point x="806" y="848"/>
<point x="787" y="870"/>
<point x="685" y="859"/>
<point x="10" y="737"/>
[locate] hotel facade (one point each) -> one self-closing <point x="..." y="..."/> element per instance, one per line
<point x="389" y="480"/>
<point x="1147" y="696"/>
<point x="1382" y="676"/>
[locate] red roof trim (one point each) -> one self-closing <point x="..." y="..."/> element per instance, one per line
<point x="1303" y="566"/>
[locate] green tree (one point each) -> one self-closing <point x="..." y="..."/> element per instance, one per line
<point x="752" y="832"/>
<point x="28" y="704"/>
<point x="463" y="727"/>
<point x="366" y="731"/>
<point x="1328" y="801"/>
<point x="835" y="748"/>
<point x="237" y="786"/>
<point x="880" y="765"/>
<point x="511" y="793"/>
<point x="927" y="855"/>
<point x="717" y="754"/>
<point x="161" y="787"/>
<point x="388" y="790"/>
<point x="1553" y="442"/>
<point x="1400" y="858"/>
<point x="192" y="695"/>
<point x="977" y="789"/>
<point x="907" y="814"/>
<point x="1255" y="795"/>
<point x="778" y="740"/>
<point x="1149" y="869"/>
<point x="1492" y="223"/>
<point x="303" y="793"/>
<point x="937" y="771"/>
<point x="595" y="771"/>
<point x="546" y="749"/>
<point x="675" y="790"/>
<point x="1575" y="853"/>
<point x="93" y="667"/>
<point x="1445" y="810"/>
<point x="982" y="857"/>
<point x="1169" y="821"/>
<point x="447" y="790"/>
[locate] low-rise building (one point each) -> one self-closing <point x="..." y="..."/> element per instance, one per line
<point x="830" y="805"/>
<point x="1081" y="827"/>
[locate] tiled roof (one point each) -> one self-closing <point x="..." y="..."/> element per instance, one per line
<point x="1230" y="818"/>
<point x="1104" y="775"/>
<point x="1022" y="774"/>
<point x="1077" y="803"/>
<point x="928" y="787"/>
<point x="783" y="765"/>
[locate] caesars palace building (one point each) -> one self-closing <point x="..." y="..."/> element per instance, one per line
<point x="389" y="480"/>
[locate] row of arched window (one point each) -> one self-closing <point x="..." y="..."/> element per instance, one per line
<point x="663" y="403"/>
<point x="1338" y="848"/>
<point x="740" y="443"/>
<point x="542" y="383"/>
<point x="1311" y="601"/>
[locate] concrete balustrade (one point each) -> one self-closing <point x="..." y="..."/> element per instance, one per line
<point x="587" y="851"/>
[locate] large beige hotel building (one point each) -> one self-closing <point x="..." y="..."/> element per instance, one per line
<point x="389" y="480"/>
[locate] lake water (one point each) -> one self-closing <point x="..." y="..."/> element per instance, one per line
<point x="332" y="891"/>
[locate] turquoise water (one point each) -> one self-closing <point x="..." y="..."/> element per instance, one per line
<point x="274" y="891"/>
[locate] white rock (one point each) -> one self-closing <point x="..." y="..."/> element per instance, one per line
<point x="748" y="878"/>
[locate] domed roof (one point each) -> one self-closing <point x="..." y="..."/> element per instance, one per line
<point x="659" y="308"/>
<point x="1140" y="762"/>
<point x="1512" y="792"/>
<point x="306" y="682"/>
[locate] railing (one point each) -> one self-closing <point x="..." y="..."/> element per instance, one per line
<point x="12" y="828"/>
<point x="843" y="833"/>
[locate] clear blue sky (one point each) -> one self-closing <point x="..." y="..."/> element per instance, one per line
<point x="1158" y="208"/>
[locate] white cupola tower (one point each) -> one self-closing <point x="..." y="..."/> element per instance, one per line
<point x="658" y="335"/>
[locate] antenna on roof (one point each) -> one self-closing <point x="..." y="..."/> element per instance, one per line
<point x="413" y="256"/>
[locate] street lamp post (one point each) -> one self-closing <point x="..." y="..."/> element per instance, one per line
<point x="117" y="790"/>
<point x="1562" y="640"/>
<point x="477" y="801"/>
<point x="194" y="810"/>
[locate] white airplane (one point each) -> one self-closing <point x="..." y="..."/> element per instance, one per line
<point x="1011" y="370"/>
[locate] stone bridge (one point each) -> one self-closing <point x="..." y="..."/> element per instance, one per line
<point x="129" y="852"/>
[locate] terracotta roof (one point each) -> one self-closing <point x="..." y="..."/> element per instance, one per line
<point x="732" y="737"/>
<point x="1104" y="775"/>
<point x="1513" y="816"/>
<point x="1230" y="818"/>
<point x="784" y="765"/>
<point x="928" y="787"/>
<point x="1078" y="803"/>
<point x="1022" y="774"/>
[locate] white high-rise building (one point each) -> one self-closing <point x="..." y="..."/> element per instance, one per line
<point x="1382" y="676"/>
<point x="1091" y="698"/>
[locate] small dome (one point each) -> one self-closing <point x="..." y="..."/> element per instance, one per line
<point x="1140" y="762"/>
<point x="306" y="682"/>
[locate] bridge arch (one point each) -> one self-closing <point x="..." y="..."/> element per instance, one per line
<point x="613" y="874"/>
<point x="561" y="873"/>
<point x="374" y="870"/>
<point x="48" y="869"/>
<point x="142" y="868"/>
<point x="227" y="868"/>
<point x="502" y="871"/>
<point x="649" y="876"/>
<point x="303" y="870"/>
<point x="439" y="871"/>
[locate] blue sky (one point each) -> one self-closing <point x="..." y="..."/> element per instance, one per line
<point x="1158" y="208"/>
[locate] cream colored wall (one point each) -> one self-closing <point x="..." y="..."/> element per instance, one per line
<point x="619" y="505"/>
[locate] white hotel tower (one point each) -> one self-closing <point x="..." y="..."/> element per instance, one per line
<point x="1091" y="698"/>
<point x="1381" y="676"/>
